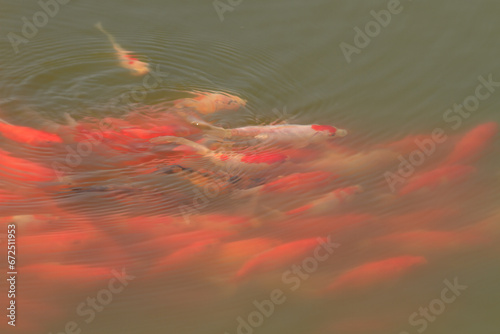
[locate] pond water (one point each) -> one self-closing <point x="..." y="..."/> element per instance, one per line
<point x="392" y="228"/>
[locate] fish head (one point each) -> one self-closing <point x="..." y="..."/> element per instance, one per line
<point x="228" y="102"/>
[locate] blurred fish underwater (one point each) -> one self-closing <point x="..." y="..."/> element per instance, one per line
<point x="203" y="185"/>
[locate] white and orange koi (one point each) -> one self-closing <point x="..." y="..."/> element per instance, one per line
<point x="127" y="61"/>
<point x="288" y="134"/>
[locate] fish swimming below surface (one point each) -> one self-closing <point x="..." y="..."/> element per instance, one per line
<point x="200" y="227"/>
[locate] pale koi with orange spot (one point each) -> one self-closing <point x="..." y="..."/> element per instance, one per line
<point x="127" y="61"/>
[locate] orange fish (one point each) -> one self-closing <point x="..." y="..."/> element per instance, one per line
<point x="193" y="255"/>
<point x="26" y="135"/>
<point x="133" y="64"/>
<point x="431" y="241"/>
<point x="437" y="177"/>
<point x="328" y="202"/>
<point x="164" y="244"/>
<point x="208" y="103"/>
<point x="277" y="257"/>
<point x="231" y="160"/>
<point x="375" y="273"/>
<point x="470" y="146"/>
<point x="24" y="170"/>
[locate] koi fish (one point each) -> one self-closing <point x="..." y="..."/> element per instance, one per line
<point x="436" y="177"/>
<point x="187" y="256"/>
<point x="473" y="143"/>
<point x="234" y="161"/>
<point x="375" y="273"/>
<point x="133" y="64"/>
<point x="328" y="202"/>
<point x="208" y="103"/>
<point x="24" y="170"/>
<point x="283" y="134"/>
<point x="277" y="257"/>
<point x="431" y="241"/>
<point x="299" y="182"/>
<point x="26" y="135"/>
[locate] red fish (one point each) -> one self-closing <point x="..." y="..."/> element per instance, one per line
<point x="231" y="160"/>
<point x="26" y="135"/>
<point x="193" y="255"/>
<point x="299" y="182"/>
<point x="24" y="170"/>
<point x="328" y="202"/>
<point x="372" y="274"/>
<point x="431" y="241"/>
<point x="473" y="144"/>
<point x="437" y="177"/>
<point x="277" y="257"/>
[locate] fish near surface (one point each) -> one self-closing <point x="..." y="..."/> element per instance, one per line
<point x="208" y="103"/>
<point x="284" y="134"/>
<point x="133" y="64"/>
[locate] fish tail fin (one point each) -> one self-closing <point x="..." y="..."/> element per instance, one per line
<point x="99" y="26"/>
<point x="69" y="120"/>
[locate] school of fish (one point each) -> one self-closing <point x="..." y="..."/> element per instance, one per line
<point x="201" y="211"/>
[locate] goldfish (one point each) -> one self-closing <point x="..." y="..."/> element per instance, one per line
<point x="375" y="273"/>
<point x="133" y="64"/>
<point x="26" y="135"/>
<point x="208" y="103"/>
